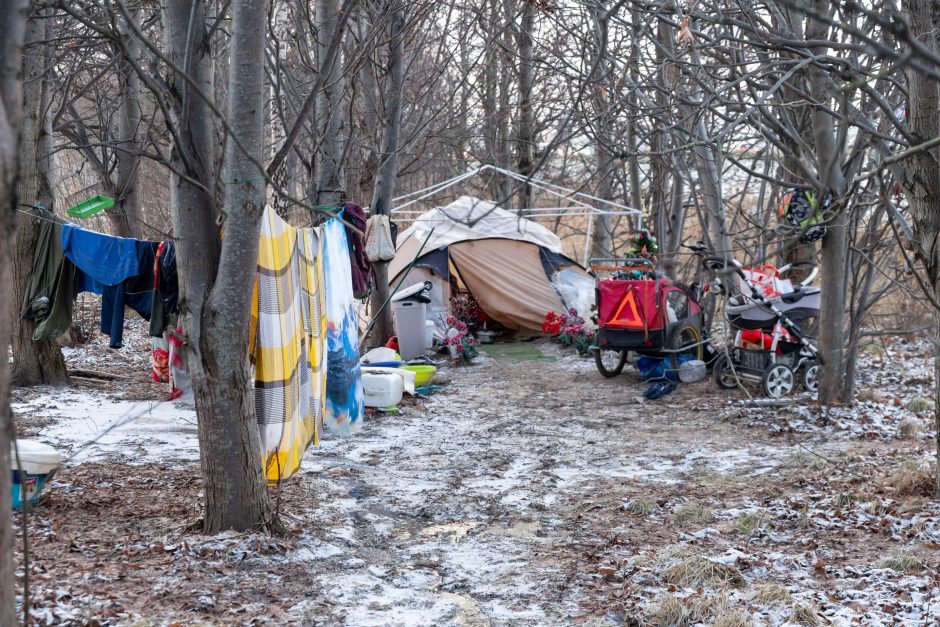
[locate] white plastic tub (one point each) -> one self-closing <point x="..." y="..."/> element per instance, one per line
<point x="382" y="389"/>
<point x="692" y="371"/>
<point x="408" y="376"/>
<point x="35" y="457"/>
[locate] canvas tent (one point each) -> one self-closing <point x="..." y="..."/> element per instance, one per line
<point x="513" y="267"/>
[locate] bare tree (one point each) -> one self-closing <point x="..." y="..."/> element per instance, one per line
<point x="921" y="170"/>
<point x="216" y="278"/>
<point x="12" y="27"/>
<point x="230" y="443"/>
<point x="388" y="161"/>
<point x="329" y="190"/>
<point x="525" y="133"/>
<point x="602" y="244"/>
<point x="126" y="214"/>
<point x="38" y="362"/>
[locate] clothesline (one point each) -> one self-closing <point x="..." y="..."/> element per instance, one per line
<point x="544" y="215"/>
<point x="566" y="191"/>
<point x="36" y="215"/>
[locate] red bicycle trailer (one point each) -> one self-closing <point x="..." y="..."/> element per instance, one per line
<point x="641" y="312"/>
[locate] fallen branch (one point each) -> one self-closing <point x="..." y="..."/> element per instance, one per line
<point x="91" y="380"/>
<point x="95" y="374"/>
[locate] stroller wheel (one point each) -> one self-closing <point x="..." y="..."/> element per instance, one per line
<point x="724" y="375"/>
<point x="610" y="363"/>
<point x="778" y="380"/>
<point x="811" y="377"/>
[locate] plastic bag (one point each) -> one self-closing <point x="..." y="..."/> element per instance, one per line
<point x="379" y="246"/>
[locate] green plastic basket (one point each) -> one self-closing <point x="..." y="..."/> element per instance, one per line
<point x="91" y="206"/>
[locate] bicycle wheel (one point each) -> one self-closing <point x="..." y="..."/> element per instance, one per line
<point x="687" y="337"/>
<point x="609" y="363"/>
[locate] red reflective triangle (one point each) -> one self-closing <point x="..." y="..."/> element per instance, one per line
<point x="629" y="318"/>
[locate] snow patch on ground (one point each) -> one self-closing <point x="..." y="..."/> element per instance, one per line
<point x="85" y="426"/>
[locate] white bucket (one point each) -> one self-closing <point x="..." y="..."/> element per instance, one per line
<point x="35" y="458"/>
<point x="692" y="371"/>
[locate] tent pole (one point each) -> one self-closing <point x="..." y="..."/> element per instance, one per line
<point x="587" y="239"/>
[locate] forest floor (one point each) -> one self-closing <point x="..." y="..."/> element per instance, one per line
<point x="529" y="491"/>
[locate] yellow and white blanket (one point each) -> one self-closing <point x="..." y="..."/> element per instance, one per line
<point x="288" y="344"/>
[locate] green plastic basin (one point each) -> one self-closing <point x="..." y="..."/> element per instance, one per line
<point x="423" y="374"/>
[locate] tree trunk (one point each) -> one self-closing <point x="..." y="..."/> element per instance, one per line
<point x="216" y="281"/>
<point x="526" y="124"/>
<point x="328" y="181"/>
<point x="230" y="443"/>
<point x="192" y="205"/>
<point x="667" y="213"/>
<point x="707" y="161"/>
<point x="488" y="85"/>
<point x="388" y="166"/>
<point x="835" y="243"/>
<point x="236" y="494"/>
<point x="34" y="363"/>
<point x="126" y="213"/>
<point x="633" y="160"/>
<point x="921" y="178"/>
<point x="671" y="232"/>
<point x="503" y="184"/>
<point x="12" y="26"/>
<point x="602" y="240"/>
<point x="369" y="99"/>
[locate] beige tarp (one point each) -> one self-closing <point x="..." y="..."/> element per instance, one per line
<point x="497" y="254"/>
<point x="507" y="280"/>
<point x="405" y="253"/>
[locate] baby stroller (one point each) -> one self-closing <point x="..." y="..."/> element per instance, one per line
<point x="766" y="311"/>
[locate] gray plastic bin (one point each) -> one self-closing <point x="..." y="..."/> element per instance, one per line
<point x="411" y="312"/>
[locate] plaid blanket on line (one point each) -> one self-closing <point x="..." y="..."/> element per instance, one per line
<point x="288" y="344"/>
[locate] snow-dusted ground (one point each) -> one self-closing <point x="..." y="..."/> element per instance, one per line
<point x="532" y="492"/>
<point x="89" y="426"/>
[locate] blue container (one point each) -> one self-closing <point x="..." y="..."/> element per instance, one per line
<point x="33" y="484"/>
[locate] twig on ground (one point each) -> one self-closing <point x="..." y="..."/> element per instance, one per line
<point x="778" y="402"/>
